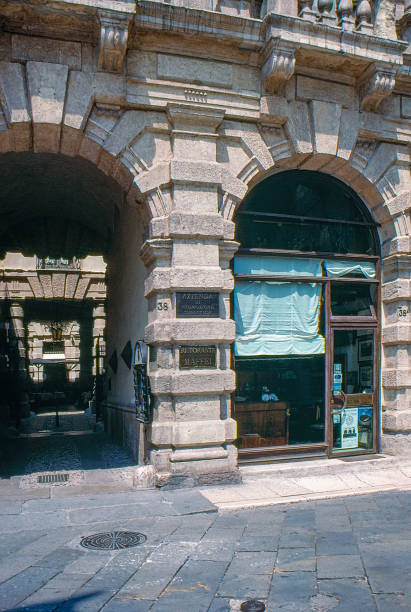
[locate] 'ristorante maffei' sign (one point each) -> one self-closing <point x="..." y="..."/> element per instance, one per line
<point x="197" y="357"/>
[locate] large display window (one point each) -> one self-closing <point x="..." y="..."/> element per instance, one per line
<point x="306" y="350"/>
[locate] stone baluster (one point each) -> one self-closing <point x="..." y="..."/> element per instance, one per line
<point x="326" y="13"/>
<point x="345" y="15"/>
<point x="306" y="10"/>
<point x="363" y="15"/>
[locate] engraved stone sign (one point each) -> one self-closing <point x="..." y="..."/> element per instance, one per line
<point x="197" y="304"/>
<point x="198" y="357"/>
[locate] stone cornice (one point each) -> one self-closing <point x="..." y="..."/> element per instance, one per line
<point x="79" y="20"/>
<point x="323" y="38"/>
<point x="247" y="32"/>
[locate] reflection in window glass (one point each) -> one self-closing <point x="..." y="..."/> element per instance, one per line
<point x="353" y="380"/>
<point x="297" y="236"/>
<point x="353" y="299"/>
<point x="280" y="400"/>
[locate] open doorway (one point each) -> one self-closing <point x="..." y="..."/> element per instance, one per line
<point x="61" y="247"/>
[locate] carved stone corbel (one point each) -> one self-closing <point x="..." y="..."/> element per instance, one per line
<point x="114" y="29"/>
<point x="375" y="86"/>
<point x="278" y="67"/>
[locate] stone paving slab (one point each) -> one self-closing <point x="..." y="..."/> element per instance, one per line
<point x="344" y="553"/>
<point x="223" y="564"/>
<point x="295" y="481"/>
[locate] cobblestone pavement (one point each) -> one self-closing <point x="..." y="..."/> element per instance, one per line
<point x="348" y="554"/>
<point x="73" y="445"/>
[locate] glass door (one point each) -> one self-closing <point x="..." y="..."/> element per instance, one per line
<point x="353" y="391"/>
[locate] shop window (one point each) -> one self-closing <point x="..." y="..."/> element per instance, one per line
<point x="308" y="262"/>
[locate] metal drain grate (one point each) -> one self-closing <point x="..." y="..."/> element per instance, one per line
<point x="113" y="540"/>
<point x="52" y="478"/>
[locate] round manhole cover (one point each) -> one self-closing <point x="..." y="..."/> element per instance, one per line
<point x="252" y="605"/>
<point x="113" y="540"/>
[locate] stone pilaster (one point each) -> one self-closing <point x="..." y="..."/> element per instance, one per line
<point x="192" y="431"/>
<point x="17" y="334"/>
<point x="99" y="323"/>
<point x="396" y="338"/>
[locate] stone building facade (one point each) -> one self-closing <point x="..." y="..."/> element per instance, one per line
<point x="171" y="114"/>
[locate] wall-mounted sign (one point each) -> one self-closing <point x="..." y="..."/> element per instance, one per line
<point x="349" y="428"/>
<point x="197" y="304"/>
<point x="402" y="311"/>
<point x="337" y="379"/>
<point x="197" y="357"/>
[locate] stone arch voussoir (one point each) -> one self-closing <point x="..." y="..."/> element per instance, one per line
<point x="385" y="193"/>
<point x="82" y="115"/>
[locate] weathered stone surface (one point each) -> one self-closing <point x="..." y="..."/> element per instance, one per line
<point x="310" y="89"/>
<point x="193" y="70"/>
<point x="326" y="126"/>
<point x="185" y="133"/>
<point x="33" y="48"/>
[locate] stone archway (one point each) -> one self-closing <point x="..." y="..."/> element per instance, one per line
<point x="63" y="222"/>
<point x="379" y="173"/>
<point x="189" y="199"/>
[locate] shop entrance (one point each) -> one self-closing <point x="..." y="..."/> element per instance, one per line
<point x="306" y="306"/>
<point x="354" y="394"/>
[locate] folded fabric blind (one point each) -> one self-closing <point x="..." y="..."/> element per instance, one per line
<point x="281" y="266"/>
<point x="335" y="267"/>
<point x="277" y="318"/>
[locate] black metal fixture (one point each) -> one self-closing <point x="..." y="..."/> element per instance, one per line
<point x="252" y="605"/>
<point x="113" y="540"/>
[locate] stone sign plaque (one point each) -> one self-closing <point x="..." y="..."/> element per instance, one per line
<point x="197" y="357"/>
<point x="197" y="304"/>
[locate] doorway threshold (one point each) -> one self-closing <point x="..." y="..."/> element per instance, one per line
<point x="272" y="459"/>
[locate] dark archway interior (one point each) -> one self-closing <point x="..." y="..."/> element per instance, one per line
<point x="56" y="206"/>
<point x="63" y="209"/>
<point x="302" y="210"/>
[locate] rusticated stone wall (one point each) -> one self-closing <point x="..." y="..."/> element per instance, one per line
<point x="186" y="114"/>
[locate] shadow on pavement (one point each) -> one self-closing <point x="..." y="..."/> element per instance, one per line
<point x="43" y="447"/>
<point x="67" y="605"/>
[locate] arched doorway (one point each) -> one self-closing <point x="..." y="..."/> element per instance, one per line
<point x="71" y="288"/>
<point x="307" y="309"/>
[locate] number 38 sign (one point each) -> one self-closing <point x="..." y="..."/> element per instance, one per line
<point x="142" y="395"/>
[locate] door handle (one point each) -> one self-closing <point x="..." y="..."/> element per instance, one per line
<point x="338" y="399"/>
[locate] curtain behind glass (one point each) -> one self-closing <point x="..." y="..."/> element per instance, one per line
<point x="281" y="266"/>
<point x="277" y="318"/>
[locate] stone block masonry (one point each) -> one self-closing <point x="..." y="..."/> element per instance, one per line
<point x="186" y="107"/>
